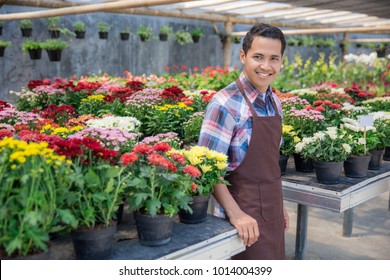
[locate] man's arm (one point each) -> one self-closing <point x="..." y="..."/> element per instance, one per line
<point x="246" y="226"/>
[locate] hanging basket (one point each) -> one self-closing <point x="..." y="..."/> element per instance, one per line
<point x="103" y="35"/>
<point x="35" y="54"/>
<point x="80" y="34"/>
<point x="54" y="33"/>
<point x="125" y="36"/>
<point x="54" y="55"/>
<point x="26" y="32"/>
<point x="2" y="50"/>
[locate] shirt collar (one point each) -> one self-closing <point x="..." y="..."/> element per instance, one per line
<point x="251" y="91"/>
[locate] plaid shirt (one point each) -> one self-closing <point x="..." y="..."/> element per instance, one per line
<point x="227" y="125"/>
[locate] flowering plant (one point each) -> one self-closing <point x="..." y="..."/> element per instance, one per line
<point x="378" y="103"/>
<point x="382" y="125"/>
<point x="172" y="138"/>
<point x="305" y="121"/>
<point x="212" y="165"/>
<point x="290" y="138"/>
<point x="97" y="182"/>
<point x="355" y="134"/>
<point x="191" y="128"/>
<point x="159" y="182"/>
<point x="111" y="138"/>
<point x="33" y="182"/>
<point x="330" y="145"/>
<point x="126" y="123"/>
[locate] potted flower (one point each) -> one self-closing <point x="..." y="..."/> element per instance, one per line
<point x="26" y="27"/>
<point x="3" y="45"/>
<point x="94" y="195"/>
<point x="103" y="29"/>
<point x="165" y="33"/>
<point x="183" y="37"/>
<point x="54" y="48"/>
<point x="305" y="123"/>
<point x="212" y="166"/>
<point x="356" y="165"/>
<point x="382" y="126"/>
<point x="196" y="34"/>
<point x="33" y="47"/>
<point x="328" y="149"/>
<point x="125" y="34"/>
<point x="287" y="147"/>
<point x="157" y="189"/>
<point x="33" y="183"/>
<point x="145" y="33"/>
<point x="79" y="29"/>
<point x="52" y="24"/>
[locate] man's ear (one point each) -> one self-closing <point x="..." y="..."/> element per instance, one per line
<point x="242" y="56"/>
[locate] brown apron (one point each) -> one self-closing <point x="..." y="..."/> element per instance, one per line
<point x="256" y="185"/>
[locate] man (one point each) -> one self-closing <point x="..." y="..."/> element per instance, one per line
<point x="243" y="120"/>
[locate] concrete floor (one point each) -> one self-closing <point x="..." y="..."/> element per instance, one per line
<point x="370" y="235"/>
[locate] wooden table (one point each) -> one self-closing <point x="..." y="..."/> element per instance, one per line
<point x="303" y="189"/>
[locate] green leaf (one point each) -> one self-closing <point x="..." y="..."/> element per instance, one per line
<point x="92" y="178"/>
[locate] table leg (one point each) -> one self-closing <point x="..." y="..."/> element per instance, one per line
<point x="301" y="235"/>
<point x="348" y="221"/>
<point x="389" y="201"/>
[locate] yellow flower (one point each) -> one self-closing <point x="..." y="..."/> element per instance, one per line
<point x="297" y="139"/>
<point x="221" y="165"/>
<point x="205" y="168"/>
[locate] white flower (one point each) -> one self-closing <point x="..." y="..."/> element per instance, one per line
<point x="361" y="141"/>
<point x="126" y="123"/>
<point x="347" y="148"/>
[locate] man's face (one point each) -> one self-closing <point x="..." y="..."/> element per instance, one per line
<point x="262" y="62"/>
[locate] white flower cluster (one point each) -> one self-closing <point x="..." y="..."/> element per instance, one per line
<point x="353" y="125"/>
<point x="126" y="123"/>
<point x="361" y="58"/>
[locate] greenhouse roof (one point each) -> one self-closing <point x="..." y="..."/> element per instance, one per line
<point x="347" y="15"/>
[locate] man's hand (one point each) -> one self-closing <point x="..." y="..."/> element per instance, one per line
<point x="246" y="226"/>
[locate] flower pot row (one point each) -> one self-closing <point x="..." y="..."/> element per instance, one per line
<point x="330" y="172"/>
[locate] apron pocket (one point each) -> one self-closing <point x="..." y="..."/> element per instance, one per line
<point x="271" y="200"/>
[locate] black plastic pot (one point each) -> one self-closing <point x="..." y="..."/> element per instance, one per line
<point x="35" y="54"/>
<point x="54" y="55"/>
<point x="283" y="160"/>
<point x="54" y="33"/>
<point x="103" y="35"/>
<point x="153" y="231"/>
<point x="356" y="166"/>
<point x="199" y="205"/>
<point x="301" y="165"/>
<point x="376" y="159"/>
<point x="328" y="172"/>
<point x="93" y="244"/>
<point x="125" y="36"/>
<point x="26" y="32"/>
<point x="80" y="34"/>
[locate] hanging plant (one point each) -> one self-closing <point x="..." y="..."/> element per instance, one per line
<point x="54" y="48"/>
<point x="26" y="27"/>
<point x="145" y="33"/>
<point x="34" y="48"/>
<point x="103" y="29"/>
<point x="165" y="33"/>
<point x="125" y="34"/>
<point x="3" y="45"/>
<point x="183" y="37"/>
<point x="196" y="34"/>
<point x="79" y="29"/>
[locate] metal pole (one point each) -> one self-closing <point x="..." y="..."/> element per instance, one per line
<point x="301" y="235"/>
<point x="348" y="222"/>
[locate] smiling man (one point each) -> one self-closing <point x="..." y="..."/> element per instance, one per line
<point x="243" y="121"/>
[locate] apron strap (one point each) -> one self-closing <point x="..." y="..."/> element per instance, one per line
<point x="241" y="88"/>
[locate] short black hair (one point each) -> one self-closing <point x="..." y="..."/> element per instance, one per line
<point x="263" y="30"/>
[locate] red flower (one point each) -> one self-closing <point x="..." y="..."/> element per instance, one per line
<point x="319" y="109"/>
<point x="173" y="93"/>
<point x="192" y="171"/>
<point x="129" y="158"/>
<point x="318" y="102"/>
<point x="179" y="158"/>
<point x="143" y="149"/>
<point x="5" y="133"/>
<point x="158" y="160"/>
<point x="162" y="147"/>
